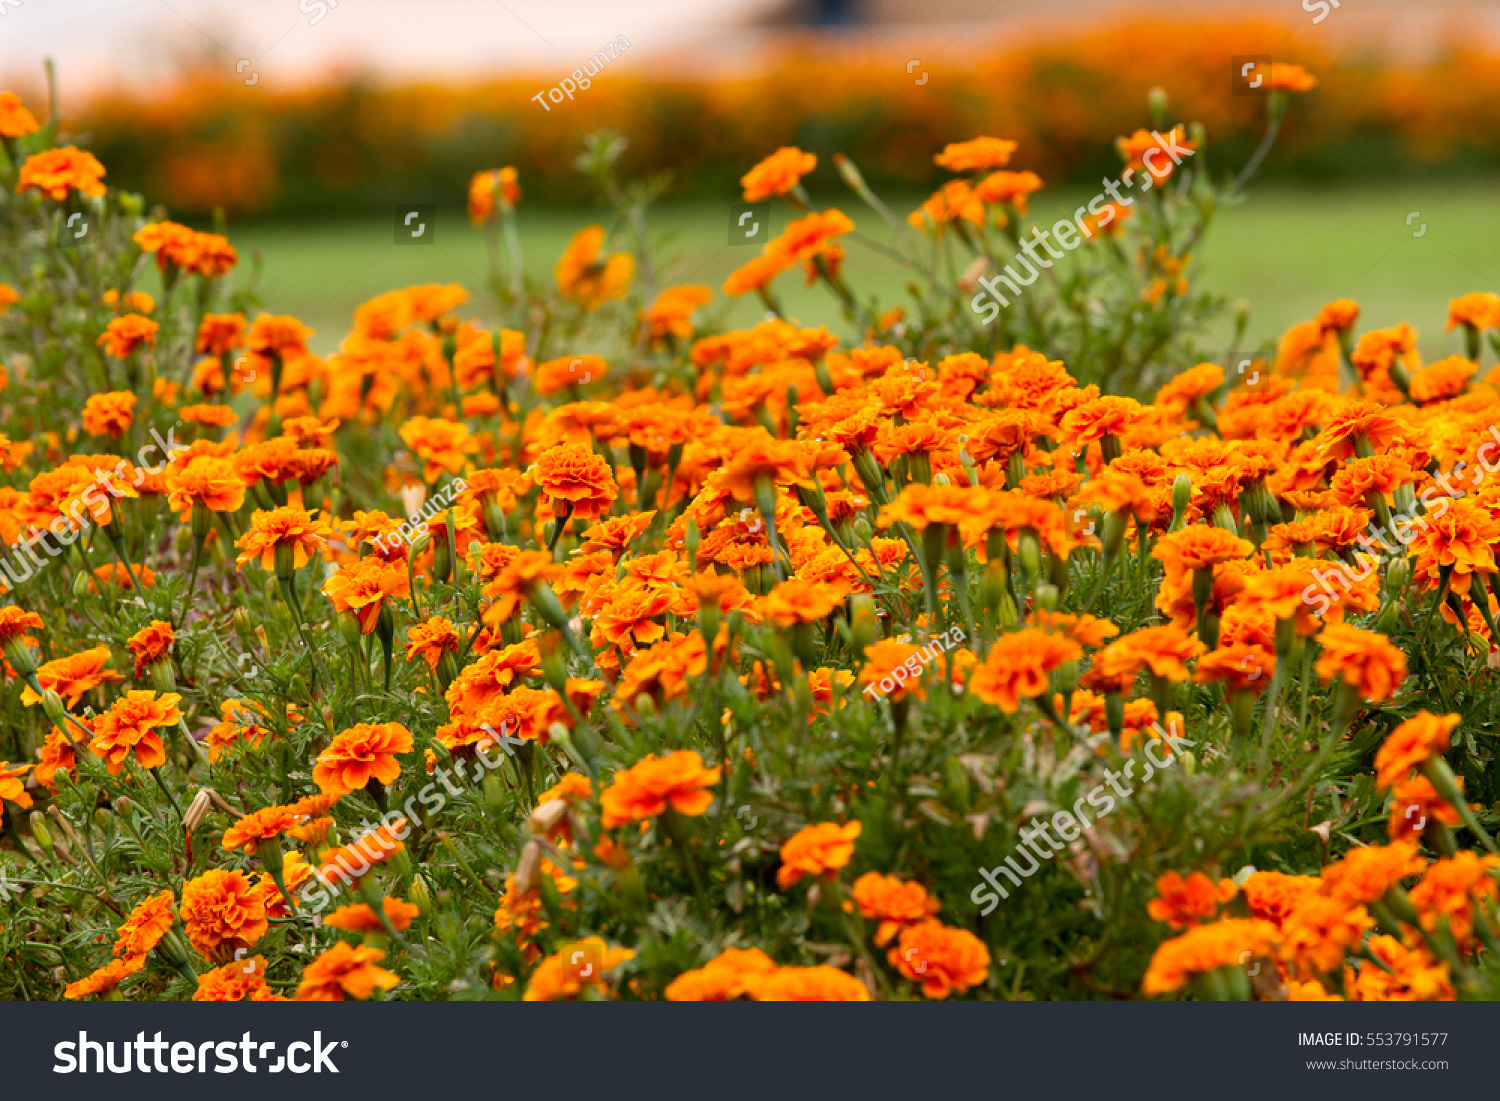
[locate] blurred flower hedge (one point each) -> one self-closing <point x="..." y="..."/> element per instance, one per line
<point x="352" y="144"/>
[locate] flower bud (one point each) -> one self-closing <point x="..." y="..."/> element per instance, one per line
<point x="690" y="542"/>
<point x="1156" y="100"/>
<point x="863" y="530"/>
<point x="124" y="807"/>
<point x="1046" y="597"/>
<point x="1029" y="552"/>
<point x="1182" y="497"/>
<point x="39" y="831"/>
<point x="1396" y="577"/>
<point x="862" y="623"/>
<point x="419" y="896"/>
<point x="22" y="658"/>
<point x="82" y="582"/>
<point x="103" y="819"/>
<point x="52" y="705"/>
<point x="529" y="869"/>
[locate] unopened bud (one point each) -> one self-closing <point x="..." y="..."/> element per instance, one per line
<point x="82" y="583"/>
<point x="39" y="831"/>
<point x="1046" y="597"/>
<point x="529" y="869"/>
<point x="419" y="896"/>
<point x="52" y="705"/>
<point x="546" y="817"/>
<point x="197" y="811"/>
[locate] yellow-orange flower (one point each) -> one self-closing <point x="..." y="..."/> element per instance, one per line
<point x="894" y="903"/>
<point x="585" y="278"/>
<point x="55" y="172"/>
<point x="344" y="972"/>
<point x="1365" y="660"/>
<point x="1410" y="745"/>
<point x="944" y="960"/>
<point x="777" y="174"/>
<point x="129" y="728"/>
<point x="151" y="644"/>
<point x="222" y="912"/>
<point x="109" y="414"/>
<point x="146" y="925"/>
<point x="302" y="533"/>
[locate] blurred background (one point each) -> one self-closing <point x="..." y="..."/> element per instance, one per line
<point x="308" y="122"/>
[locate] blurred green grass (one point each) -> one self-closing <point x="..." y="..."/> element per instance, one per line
<point x="1286" y="252"/>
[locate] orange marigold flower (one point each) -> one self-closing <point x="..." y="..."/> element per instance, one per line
<point x="978" y="155"/>
<point x="357" y="755"/>
<point x="816" y="850"/>
<point x="124" y="335"/>
<point x="1441" y="381"/>
<point x="585" y="278"/>
<point x="1200" y="547"/>
<point x="756" y="273"/>
<point x="733" y="973"/>
<point x="146" y="925"/>
<point x="55" y="172"/>
<point x="578" y="965"/>
<point x="945" y="961"/>
<point x="350" y="862"/>
<point x="1205" y="948"/>
<point x="1019" y="666"/>
<point x="222" y="912"/>
<point x="1184" y="902"/>
<point x="574" y="474"/>
<point x="301" y="533"/>
<point x="1291" y="78"/>
<point x="109" y="414"/>
<point x="442" y="445"/>
<point x="106" y="978"/>
<point x="1451" y="887"/>
<point x="151" y="644"/>
<point x="486" y="187"/>
<point x="894" y="903"/>
<point x="360" y="918"/>
<point x="1410" y="745"/>
<point x="1480" y="310"/>
<point x="1414" y="803"/>
<point x="237" y="981"/>
<point x="653" y="783"/>
<point x="796" y="601"/>
<point x="671" y="315"/>
<point x="12" y="785"/>
<point x="810" y="984"/>
<point x="56" y="755"/>
<point x="777" y="174"/>
<point x="1365" y="874"/>
<point x="1320" y="932"/>
<point x="70" y="677"/>
<point x="259" y="826"/>
<point x="129" y="727"/>
<point x="210" y="416"/>
<point x="362" y="588"/>
<point x="15" y="120"/>
<point x="205" y="480"/>
<point x="1365" y="660"/>
<point x="431" y="640"/>
<point x="344" y="972"/>
<point x="15" y="623"/>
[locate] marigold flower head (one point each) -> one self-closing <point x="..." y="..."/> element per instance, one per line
<point x="237" y="981"/>
<point x="360" y="918"/>
<point x="810" y="984"/>
<point x="893" y="902"/>
<point x="109" y="414"/>
<point x="222" y="912"/>
<point x="584" y="277"/>
<point x="820" y="849"/>
<point x="1365" y="874"/>
<point x="302" y="533"/>
<point x="443" y="446"/>
<point x="360" y="754"/>
<point x="129" y="728"/>
<point x="151" y="644"/>
<point x="1480" y="310"/>
<point x="1205" y="948"/>
<point x="56" y="172"/>
<point x="106" y="978"/>
<point x="575" y="475"/>
<point x="1183" y="902"/>
<point x="977" y="155"/>
<point x="559" y="977"/>
<point x="1319" y="932"/>
<point x="653" y="783"/>
<point x="1365" y="660"/>
<point x="1414" y="803"/>
<point x="1410" y="745"/>
<point x="124" y="335"/>
<point x="1019" y="666"/>
<point x="733" y="973"/>
<point x="259" y="826"/>
<point x="944" y="960"/>
<point x="777" y="174"/>
<point x="146" y="925"/>
<point x="205" y="480"/>
<point x="344" y="972"/>
<point x="15" y="120"/>
<point x="486" y="187"/>
<point x="71" y="676"/>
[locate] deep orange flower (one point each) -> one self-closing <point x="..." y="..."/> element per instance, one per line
<point x="756" y="273"/>
<point x="237" y="981"/>
<point x="13" y="786"/>
<point x="555" y="374"/>
<point x="733" y="973"/>
<point x="1183" y="902"/>
<point x="777" y="174"/>
<point x="894" y="903"/>
<point x="109" y="414"/>
<point x="816" y="850"/>
<point x="1205" y="948"/>
<point x="810" y="984"/>
<point x="359" y="918"/>
<point x="1410" y="745"/>
<point x="585" y="278"/>
<point x="431" y="640"/>
<point x="1480" y="310"/>
<point x="486" y="187"/>
<point x="146" y="925"/>
<point x="576" y="475"/>
<point x="1019" y="666"/>
<point x="207" y="480"/>
<point x="1365" y="660"/>
<point x="671" y="315"/>
<point x="222" y="912"/>
<point x="945" y="961"/>
<point x="124" y="335"/>
<point x="442" y="445"/>
<point x="151" y="644"/>
<point x="796" y="601"/>
<point x="362" y="588"/>
<point x="1291" y="78"/>
<point x="652" y="784"/>
<point x="15" y="623"/>
<point x="977" y="155"/>
<point x="260" y="825"/>
<point x="129" y="727"/>
<point x="361" y="753"/>
<point x="55" y="172"/>
<point x="302" y="533"/>
<point x="1364" y="875"/>
<point x="106" y="978"/>
<point x="15" y="120"/>
<point x="1414" y="803"/>
<point x="350" y="862"/>
<point x="70" y="677"/>
<point x="344" y="972"/>
<point x="581" y="964"/>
